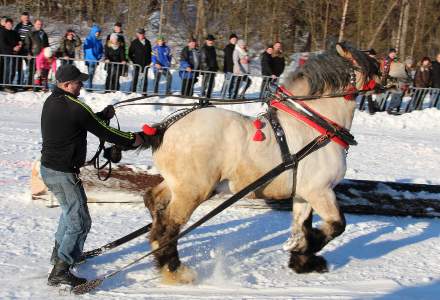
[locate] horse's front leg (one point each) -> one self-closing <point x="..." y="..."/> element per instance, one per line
<point x="306" y="240"/>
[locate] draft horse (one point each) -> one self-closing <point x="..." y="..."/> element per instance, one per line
<point x="211" y="145"/>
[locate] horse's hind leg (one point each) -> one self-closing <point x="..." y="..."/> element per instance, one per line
<point x="167" y="222"/>
<point x="305" y="242"/>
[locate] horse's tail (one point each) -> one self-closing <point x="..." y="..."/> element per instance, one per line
<point x="153" y="141"/>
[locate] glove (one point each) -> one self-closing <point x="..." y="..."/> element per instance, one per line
<point x="138" y="141"/>
<point x="108" y="112"/>
<point x="51" y="77"/>
<point x="37" y="75"/>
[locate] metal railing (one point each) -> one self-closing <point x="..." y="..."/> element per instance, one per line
<point x="105" y="76"/>
<point x="19" y="72"/>
<point x="401" y="101"/>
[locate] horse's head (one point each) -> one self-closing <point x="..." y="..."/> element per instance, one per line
<point x="333" y="72"/>
<point x="362" y="67"/>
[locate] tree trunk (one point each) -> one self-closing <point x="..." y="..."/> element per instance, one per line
<point x="327" y="11"/>
<point x="382" y="23"/>
<point x="272" y="25"/>
<point x="161" y="16"/>
<point x="399" y="28"/>
<point x="200" y="20"/>
<point x="402" y="47"/>
<point x="344" y="15"/>
<point x="246" y="23"/>
<point x="416" y="26"/>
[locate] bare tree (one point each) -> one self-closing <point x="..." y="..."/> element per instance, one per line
<point x="344" y="16"/>
<point x="382" y="23"/>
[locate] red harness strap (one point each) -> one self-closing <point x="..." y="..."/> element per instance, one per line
<point x="279" y="105"/>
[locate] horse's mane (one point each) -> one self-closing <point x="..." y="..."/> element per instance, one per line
<point x="330" y="72"/>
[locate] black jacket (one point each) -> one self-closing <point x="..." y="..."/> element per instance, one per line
<point x="35" y="42"/>
<point x="65" y="121"/>
<point x="4" y="41"/>
<point x="121" y="40"/>
<point x="140" y="54"/>
<point x="278" y="65"/>
<point x="266" y="64"/>
<point x="114" y="55"/>
<point x="435" y="72"/>
<point x="23" y="31"/>
<point x="67" y="47"/>
<point x="8" y="40"/>
<point x="228" y="62"/>
<point x="208" y="58"/>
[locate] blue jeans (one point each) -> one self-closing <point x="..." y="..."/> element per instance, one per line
<point x="91" y="68"/>
<point x="75" y="221"/>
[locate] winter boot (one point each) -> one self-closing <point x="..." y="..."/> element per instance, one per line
<point x="82" y="259"/>
<point x="61" y="275"/>
<point x="54" y="256"/>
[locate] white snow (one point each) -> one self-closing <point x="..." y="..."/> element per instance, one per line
<point x="238" y="254"/>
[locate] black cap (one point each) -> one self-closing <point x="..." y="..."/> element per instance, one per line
<point x="392" y="50"/>
<point x="119" y="24"/>
<point x="140" y="31"/>
<point x="210" y="37"/>
<point x="233" y="35"/>
<point x="70" y="73"/>
<point x="25" y="13"/>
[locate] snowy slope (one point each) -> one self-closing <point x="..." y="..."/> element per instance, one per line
<point x="238" y="255"/>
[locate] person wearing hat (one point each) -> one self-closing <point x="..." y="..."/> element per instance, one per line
<point x="161" y="59"/>
<point x="117" y="28"/>
<point x="68" y="44"/>
<point x="115" y="63"/>
<point x="208" y="63"/>
<point x="65" y="121"/>
<point x="93" y="52"/>
<point x="228" y="65"/>
<point x="189" y="63"/>
<point x="46" y="66"/>
<point x="140" y="54"/>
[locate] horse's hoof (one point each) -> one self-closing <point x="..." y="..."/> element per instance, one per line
<point x="301" y="263"/>
<point x="183" y="275"/>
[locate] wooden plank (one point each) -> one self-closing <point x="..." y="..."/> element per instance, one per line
<point x="354" y="196"/>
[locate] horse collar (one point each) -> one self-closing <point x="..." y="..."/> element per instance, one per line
<point x="312" y="118"/>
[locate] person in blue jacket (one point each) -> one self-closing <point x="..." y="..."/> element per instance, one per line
<point x="161" y="59"/>
<point x="93" y="51"/>
<point x="189" y="62"/>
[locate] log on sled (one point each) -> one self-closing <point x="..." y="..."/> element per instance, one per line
<point x="354" y="196"/>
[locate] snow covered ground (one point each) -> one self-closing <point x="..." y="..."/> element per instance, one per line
<point x="238" y="254"/>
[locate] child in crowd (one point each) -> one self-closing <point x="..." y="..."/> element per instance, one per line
<point x="46" y="65"/>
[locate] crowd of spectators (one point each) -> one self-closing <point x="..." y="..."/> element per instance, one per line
<point x="28" y="44"/>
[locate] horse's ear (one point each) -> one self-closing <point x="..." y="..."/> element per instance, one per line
<point x="342" y="51"/>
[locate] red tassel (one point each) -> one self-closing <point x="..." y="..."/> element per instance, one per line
<point x="149" y="130"/>
<point x="258" y="124"/>
<point x="350" y="93"/>
<point x="258" y="136"/>
<point x="370" y="85"/>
